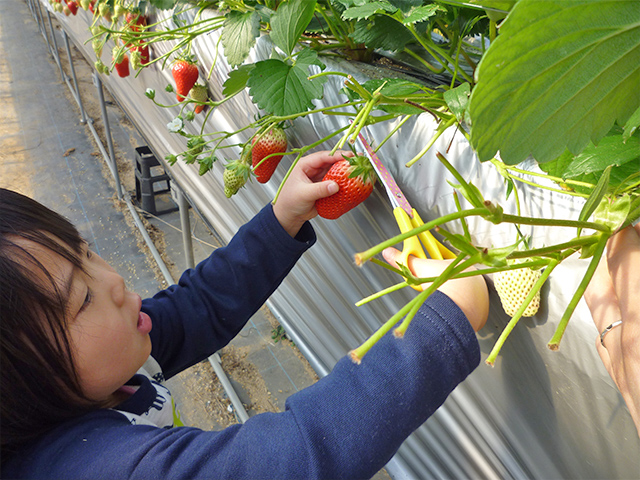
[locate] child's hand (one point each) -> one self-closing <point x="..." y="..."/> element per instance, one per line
<point x="612" y="295"/>
<point x="297" y="200"/>
<point x="470" y="294"/>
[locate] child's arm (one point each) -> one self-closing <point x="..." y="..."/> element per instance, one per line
<point x="346" y="425"/>
<point x="213" y="301"/>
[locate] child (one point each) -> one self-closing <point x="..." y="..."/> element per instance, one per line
<point x="83" y="359"/>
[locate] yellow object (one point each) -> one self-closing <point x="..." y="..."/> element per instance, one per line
<point x="412" y="246"/>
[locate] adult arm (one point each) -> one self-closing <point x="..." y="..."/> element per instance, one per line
<point x="612" y="295"/>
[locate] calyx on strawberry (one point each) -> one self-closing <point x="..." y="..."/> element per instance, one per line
<point x="236" y="174"/>
<point x="185" y="74"/>
<point x="356" y="177"/>
<point x="274" y="141"/>
<point x="513" y="286"/>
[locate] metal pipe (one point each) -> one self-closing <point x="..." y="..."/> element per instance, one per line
<point x="185" y="225"/>
<point x="55" y="46"/>
<point x="216" y="363"/>
<point x="107" y="131"/>
<point x="76" y="90"/>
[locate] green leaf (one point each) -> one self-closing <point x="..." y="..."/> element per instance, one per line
<point x="632" y="125"/>
<point x="596" y="197"/>
<point x="613" y="212"/>
<point x="239" y="34"/>
<point x="421" y="14"/>
<point x="458" y="99"/>
<point x="382" y="32"/>
<point x="558" y="76"/>
<point x="405" y="5"/>
<point x="282" y="89"/>
<point x="611" y="151"/>
<point x="289" y="23"/>
<point x="237" y="80"/>
<point x="368" y="10"/>
<point x="308" y="57"/>
<point x="163" y="4"/>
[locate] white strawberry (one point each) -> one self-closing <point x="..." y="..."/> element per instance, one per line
<point x="513" y="286"/>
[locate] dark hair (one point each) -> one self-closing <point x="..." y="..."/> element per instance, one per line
<point x="40" y="386"/>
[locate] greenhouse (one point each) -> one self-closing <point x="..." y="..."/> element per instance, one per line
<point x="232" y="174"/>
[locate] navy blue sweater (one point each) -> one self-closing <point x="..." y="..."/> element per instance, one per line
<point x="347" y="425"/>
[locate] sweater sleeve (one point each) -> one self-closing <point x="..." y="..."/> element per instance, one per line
<point x="347" y="425"/>
<point x="212" y="302"/>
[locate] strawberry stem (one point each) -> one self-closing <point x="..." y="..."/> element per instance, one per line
<point x="516" y="317"/>
<point x="362" y="257"/>
<point x="554" y="343"/>
<point x="453" y="268"/>
<point x="357" y="354"/>
<point x="441" y="129"/>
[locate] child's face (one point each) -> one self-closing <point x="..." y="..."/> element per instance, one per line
<point x="110" y="335"/>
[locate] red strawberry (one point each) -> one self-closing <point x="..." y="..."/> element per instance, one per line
<point x="91" y="6"/>
<point x="273" y="141"/>
<point x="185" y="74"/>
<point x="144" y="53"/>
<point x="73" y="6"/>
<point x="356" y="178"/>
<point x="121" y="63"/>
<point x="135" y="21"/>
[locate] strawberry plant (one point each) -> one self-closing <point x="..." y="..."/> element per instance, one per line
<point x="555" y="82"/>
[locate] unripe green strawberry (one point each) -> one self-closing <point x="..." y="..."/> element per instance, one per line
<point x="199" y="93"/>
<point x="355" y="177"/>
<point x="104" y="10"/>
<point x="236" y="174"/>
<point x="85" y="4"/>
<point x="273" y="141"/>
<point x="513" y="286"/>
<point x="136" y="59"/>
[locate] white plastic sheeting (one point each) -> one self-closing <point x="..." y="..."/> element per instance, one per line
<point x="537" y="413"/>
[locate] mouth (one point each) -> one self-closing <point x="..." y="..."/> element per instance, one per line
<point x="144" y="321"/>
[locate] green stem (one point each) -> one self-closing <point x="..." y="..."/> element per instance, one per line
<point x="393" y="288"/>
<point x="572" y="244"/>
<point x="554" y="343"/>
<point x="392" y="132"/>
<point x="362" y="257"/>
<point x="516" y="317"/>
<point x="550" y="222"/>
<point x="453" y="268"/>
<point x="441" y="129"/>
<point x="301" y="152"/>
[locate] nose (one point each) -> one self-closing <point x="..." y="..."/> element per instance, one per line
<point x="118" y="288"/>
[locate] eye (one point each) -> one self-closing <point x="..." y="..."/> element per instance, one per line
<point x="87" y="300"/>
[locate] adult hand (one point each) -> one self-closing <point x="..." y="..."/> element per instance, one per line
<point x="470" y="293"/>
<point x="612" y="295"/>
<point x="297" y="200"/>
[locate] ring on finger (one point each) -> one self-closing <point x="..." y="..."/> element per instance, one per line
<point x="607" y="330"/>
